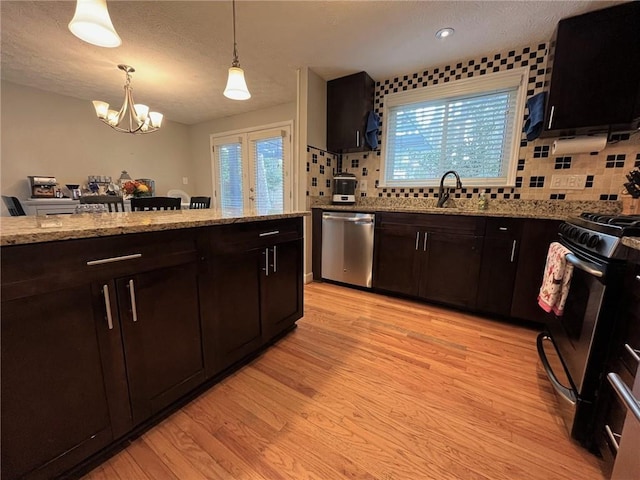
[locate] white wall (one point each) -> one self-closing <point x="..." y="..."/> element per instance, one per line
<point x="199" y="137"/>
<point x="49" y="134"/>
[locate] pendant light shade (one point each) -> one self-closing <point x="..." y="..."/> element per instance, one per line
<point x="92" y="24"/>
<point x="236" y="88"/>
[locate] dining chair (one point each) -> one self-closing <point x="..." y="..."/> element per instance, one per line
<point x="200" y="202"/>
<point x="14" y="206"/>
<point x="112" y="202"/>
<point x="140" y="204"/>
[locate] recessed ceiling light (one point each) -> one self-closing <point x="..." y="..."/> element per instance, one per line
<point x="444" y="33"/>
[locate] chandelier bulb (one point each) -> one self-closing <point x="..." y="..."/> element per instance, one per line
<point x="92" y="24"/>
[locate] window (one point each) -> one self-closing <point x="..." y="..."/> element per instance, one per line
<point x="251" y="171"/>
<point x="472" y="126"/>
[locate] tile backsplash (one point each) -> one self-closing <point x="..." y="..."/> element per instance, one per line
<point x="604" y="171"/>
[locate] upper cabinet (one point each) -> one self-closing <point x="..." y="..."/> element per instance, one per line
<point x="349" y="101"/>
<point x="594" y="73"/>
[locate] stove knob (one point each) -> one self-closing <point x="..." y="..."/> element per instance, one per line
<point x="593" y="241"/>
<point x="573" y="233"/>
<point x="584" y="236"/>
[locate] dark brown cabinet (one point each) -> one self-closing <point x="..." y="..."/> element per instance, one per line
<point x="435" y="257"/>
<point x="97" y="336"/>
<point x="536" y="236"/>
<point x="595" y="72"/>
<point x="256" y="282"/>
<point x="499" y="265"/>
<point x="349" y="101"/>
<point x="55" y="405"/>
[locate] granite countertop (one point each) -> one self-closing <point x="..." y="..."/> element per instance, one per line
<point x="48" y="228"/>
<point x="542" y="209"/>
<point x="631" y="242"/>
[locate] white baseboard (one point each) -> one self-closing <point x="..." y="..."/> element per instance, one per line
<point x="308" y="278"/>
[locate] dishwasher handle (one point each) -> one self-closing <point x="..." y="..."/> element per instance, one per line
<point x="360" y="220"/>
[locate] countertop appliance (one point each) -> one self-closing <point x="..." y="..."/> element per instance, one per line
<point x="347" y="247"/>
<point x="573" y="349"/>
<point x="42" y="186"/>
<point x="344" y="188"/>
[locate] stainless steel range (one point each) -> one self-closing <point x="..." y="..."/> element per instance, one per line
<point x="573" y="349"/>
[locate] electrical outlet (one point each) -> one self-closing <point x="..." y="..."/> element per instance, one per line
<point x="568" y="182"/>
<point x="363" y="185"/>
<point x="185" y="180"/>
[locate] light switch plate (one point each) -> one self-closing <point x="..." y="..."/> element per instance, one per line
<point x="568" y="182"/>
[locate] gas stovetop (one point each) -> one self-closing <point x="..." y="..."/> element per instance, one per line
<point x="600" y="234"/>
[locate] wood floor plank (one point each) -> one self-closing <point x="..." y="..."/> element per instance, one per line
<point x="370" y="387"/>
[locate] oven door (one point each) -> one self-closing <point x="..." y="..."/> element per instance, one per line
<point x="573" y="332"/>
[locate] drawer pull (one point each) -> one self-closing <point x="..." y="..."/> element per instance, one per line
<point x="114" y="259"/>
<point x="107" y="304"/>
<point x="612" y="437"/>
<point x="634" y="353"/>
<point x="266" y="234"/>
<point x="504" y="229"/>
<point x="638" y="278"/>
<point x="132" y="295"/>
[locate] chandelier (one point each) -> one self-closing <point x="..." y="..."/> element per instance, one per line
<point x="133" y="117"/>
<point x="236" y="88"/>
<point x="91" y="23"/>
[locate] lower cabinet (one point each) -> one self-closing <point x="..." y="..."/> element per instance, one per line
<point x="435" y="257"/>
<point x="255" y="285"/>
<point x="100" y="335"/>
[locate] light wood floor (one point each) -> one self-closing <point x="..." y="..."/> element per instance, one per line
<point x="371" y="387"/>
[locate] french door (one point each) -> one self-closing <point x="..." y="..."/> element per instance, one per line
<point x="252" y="171"/>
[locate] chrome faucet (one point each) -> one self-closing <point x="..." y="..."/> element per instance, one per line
<point x="443" y="194"/>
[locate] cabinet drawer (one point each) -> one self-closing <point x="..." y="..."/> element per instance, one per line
<point x="246" y="236"/>
<point x="28" y="269"/>
<point x="503" y="227"/>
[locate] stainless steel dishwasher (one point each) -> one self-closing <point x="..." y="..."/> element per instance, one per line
<point x="347" y="247"/>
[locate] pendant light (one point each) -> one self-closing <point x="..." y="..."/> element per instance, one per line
<point x="236" y="86"/>
<point x="133" y="117"/>
<point x="92" y="24"/>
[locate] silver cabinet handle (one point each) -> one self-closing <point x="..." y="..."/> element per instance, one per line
<point x="632" y="352"/>
<point x="359" y="220"/>
<point x="612" y="437"/>
<point x="503" y="229"/>
<point x="424" y="245"/>
<point x="585" y="266"/>
<point x="275" y="256"/>
<point x="513" y="250"/>
<point x="417" y="239"/>
<point x="625" y="394"/>
<point x="553" y="108"/>
<point x="638" y="278"/>
<point x="132" y="294"/>
<point x="357" y="138"/>
<point x="266" y="234"/>
<point x="114" y="259"/>
<point x="107" y="304"/>
<point x="266" y="261"/>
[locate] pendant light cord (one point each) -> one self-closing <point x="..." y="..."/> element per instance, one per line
<point x="235" y="63"/>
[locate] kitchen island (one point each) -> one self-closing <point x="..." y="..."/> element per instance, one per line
<point x="112" y="321"/>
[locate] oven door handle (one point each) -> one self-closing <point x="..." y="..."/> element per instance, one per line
<point x="568" y="394"/>
<point x="625" y="394"/>
<point x="590" y="268"/>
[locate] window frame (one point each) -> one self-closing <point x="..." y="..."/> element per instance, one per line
<point x="517" y="77"/>
<point x="245" y="137"/>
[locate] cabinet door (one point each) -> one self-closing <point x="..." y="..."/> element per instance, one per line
<point x="281" y="293"/>
<point x="160" y="319"/>
<point x="236" y="289"/>
<point x="55" y="410"/>
<point x="450" y="274"/>
<point x="349" y="100"/>
<point x="396" y="253"/>
<point x="497" y="274"/>
<point x="536" y="237"/>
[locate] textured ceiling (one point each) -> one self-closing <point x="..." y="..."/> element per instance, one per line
<point x="181" y="50"/>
